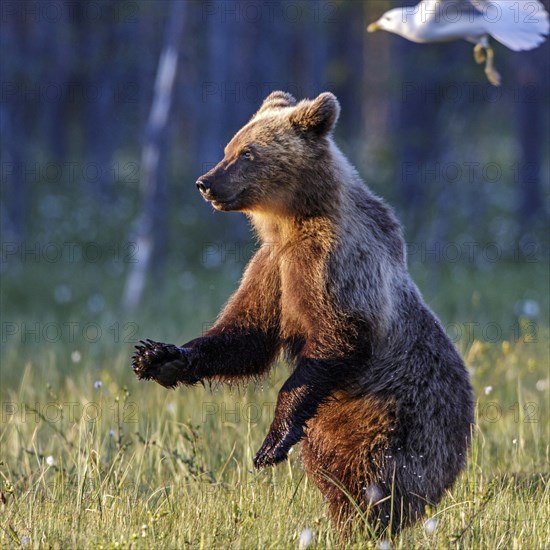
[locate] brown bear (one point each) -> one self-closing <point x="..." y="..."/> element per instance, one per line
<point x="378" y="395"/>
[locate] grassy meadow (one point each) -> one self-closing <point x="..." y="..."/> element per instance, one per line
<point x="92" y="458"/>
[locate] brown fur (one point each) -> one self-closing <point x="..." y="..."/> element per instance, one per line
<point x="345" y="446"/>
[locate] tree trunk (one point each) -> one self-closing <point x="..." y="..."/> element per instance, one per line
<point x="149" y="226"/>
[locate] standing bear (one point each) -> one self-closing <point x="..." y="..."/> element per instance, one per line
<point x="378" y="395"/>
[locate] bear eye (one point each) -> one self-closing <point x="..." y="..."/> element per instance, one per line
<point x="247" y="155"/>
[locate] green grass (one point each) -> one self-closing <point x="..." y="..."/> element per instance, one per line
<point x="128" y="464"/>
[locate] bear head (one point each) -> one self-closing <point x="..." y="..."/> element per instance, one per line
<point x="272" y="162"/>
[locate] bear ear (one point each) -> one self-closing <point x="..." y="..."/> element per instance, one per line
<point x="276" y="100"/>
<point x="318" y="116"/>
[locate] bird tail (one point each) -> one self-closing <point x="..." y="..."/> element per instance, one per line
<point x="520" y="26"/>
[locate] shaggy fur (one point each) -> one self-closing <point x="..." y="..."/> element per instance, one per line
<point x="378" y="394"/>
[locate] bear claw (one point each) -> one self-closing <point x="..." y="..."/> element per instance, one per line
<point x="269" y="456"/>
<point x="164" y="363"/>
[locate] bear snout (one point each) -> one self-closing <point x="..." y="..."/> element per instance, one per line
<point x="219" y="194"/>
<point x="211" y="192"/>
<point x="203" y="186"/>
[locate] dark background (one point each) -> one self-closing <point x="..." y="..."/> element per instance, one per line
<point x="465" y="164"/>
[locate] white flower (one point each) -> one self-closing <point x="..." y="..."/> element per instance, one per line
<point x="373" y="492"/>
<point x="430" y="526"/>
<point x="96" y="303"/>
<point x="514" y="441"/>
<point x="63" y="294"/>
<point x="75" y="356"/>
<point x="543" y="384"/>
<point x="98" y="384"/>
<point x="24" y="542"/>
<point x="531" y="308"/>
<point x="50" y="461"/>
<point x="306" y="538"/>
<point x="488" y="390"/>
<point x="383" y="545"/>
<point x="112" y="433"/>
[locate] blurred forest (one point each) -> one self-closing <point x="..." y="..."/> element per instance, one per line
<point x="463" y="163"/>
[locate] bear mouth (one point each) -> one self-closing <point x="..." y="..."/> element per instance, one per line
<point x="228" y="204"/>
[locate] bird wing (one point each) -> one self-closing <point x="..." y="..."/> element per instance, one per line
<point x="519" y="25"/>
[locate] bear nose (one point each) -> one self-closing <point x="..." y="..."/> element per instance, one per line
<point x="202" y="186"/>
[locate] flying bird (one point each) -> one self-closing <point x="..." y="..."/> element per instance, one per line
<point x="519" y="25"/>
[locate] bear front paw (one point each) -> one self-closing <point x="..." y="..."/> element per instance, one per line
<point x="164" y="363"/>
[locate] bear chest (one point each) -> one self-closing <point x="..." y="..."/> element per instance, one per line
<point x="302" y="294"/>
